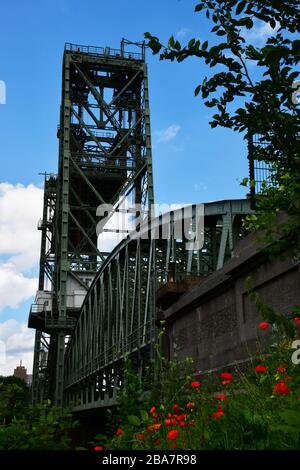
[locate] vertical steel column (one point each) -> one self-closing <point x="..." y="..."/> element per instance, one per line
<point x="63" y="255"/>
<point x="36" y="367"/>
<point x="148" y="140"/>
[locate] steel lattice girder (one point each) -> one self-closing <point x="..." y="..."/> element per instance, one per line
<point x="104" y="153"/>
<point x="118" y="315"/>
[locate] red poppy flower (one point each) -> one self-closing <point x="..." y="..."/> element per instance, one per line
<point x="281" y="370"/>
<point x="152" y="411"/>
<point x="176" y="408"/>
<point x="281" y="388"/>
<point x="192" y="422"/>
<point x="99" y="448"/>
<point x="141" y="437"/>
<point x="297" y="320"/>
<point x="169" y="415"/>
<point x="221" y="396"/>
<point x="226" y="376"/>
<point x="190" y="405"/>
<point x="263" y="325"/>
<point x="226" y="382"/>
<point x="157" y="442"/>
<point x="196" y="384"/>
<point x="173" y="445"/>
<point x="170" y="422"/>
<point x="172" y="434"/>
<point x="156" y="426"/>
<point x="261" y="369"/>
<point x="119" y="432"/>
<point x="218" y="414"/>
<point x="182" y="424"/>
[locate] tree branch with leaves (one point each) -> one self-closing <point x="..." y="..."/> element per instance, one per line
<point x="263" y="93"/>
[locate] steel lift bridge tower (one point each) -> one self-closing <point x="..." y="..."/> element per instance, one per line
<point x="94" y="308"/>
<point x="104" y="155"/>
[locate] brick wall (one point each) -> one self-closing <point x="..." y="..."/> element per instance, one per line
<point x="215" y="323"/>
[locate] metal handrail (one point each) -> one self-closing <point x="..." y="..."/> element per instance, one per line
<point x="103" y="51"/>
<point x="57" y="322"/>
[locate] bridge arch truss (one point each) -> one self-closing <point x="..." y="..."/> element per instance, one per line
<point x="119" y="314"/>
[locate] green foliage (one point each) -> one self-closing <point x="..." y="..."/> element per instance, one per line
<point x="14" y="395"/>
<point x="42" y="427"/>
<point x="24" y="426"/>
<point x="265" y="95"/>
<point x="242" y="413"/>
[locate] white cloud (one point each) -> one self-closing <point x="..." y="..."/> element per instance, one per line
<point x="17" y="341"/>
<point x="182" y="33"/>
<point x="165" y="135"/>
<point x="125" y="221"/>
<point x="20" y="209"/>
<point x="260" y="31"/>
<point x="199" y="187"/>
<point x="14" y="286"/>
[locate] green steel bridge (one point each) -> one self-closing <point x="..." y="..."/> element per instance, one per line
<point x="94" y="307"/>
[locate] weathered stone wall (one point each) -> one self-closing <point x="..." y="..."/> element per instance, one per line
<point x="215" y="323"/>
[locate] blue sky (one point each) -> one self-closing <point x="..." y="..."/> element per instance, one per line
<point x="33" y="34"/>
<point x="192" y="162"/>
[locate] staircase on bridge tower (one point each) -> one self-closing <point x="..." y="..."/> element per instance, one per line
<point x="104" y="155"/>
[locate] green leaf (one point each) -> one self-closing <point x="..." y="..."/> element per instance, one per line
<point x="246" y="22"/>
<point x="134" y="420"/>
<point x="295" y="309"/>
<point x="155" y="46"/>
<point x="197" y="90"/>
<point x="177" y="46"/>
<point x="262" y="379"/>
<point x="210" y="104"/>
<point x="244" y="182"/>
<point x="221" y="32"/>
<point x="199" y="7"/>
<point x="171" y="42"/>
<point x="144" y="416"/>
<point x="204" y="45"/>
<point x="272" y="23"/>
<point x="191" y="43"/>
<point x="240" y="7"/>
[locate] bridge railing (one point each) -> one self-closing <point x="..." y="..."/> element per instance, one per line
<point x="104" y="52"/>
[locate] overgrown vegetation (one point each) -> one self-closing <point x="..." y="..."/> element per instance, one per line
<point x="25" y="426"/>
<point x="256" y="406"/>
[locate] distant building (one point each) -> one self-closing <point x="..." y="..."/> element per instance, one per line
<point x="21" y="372"/>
